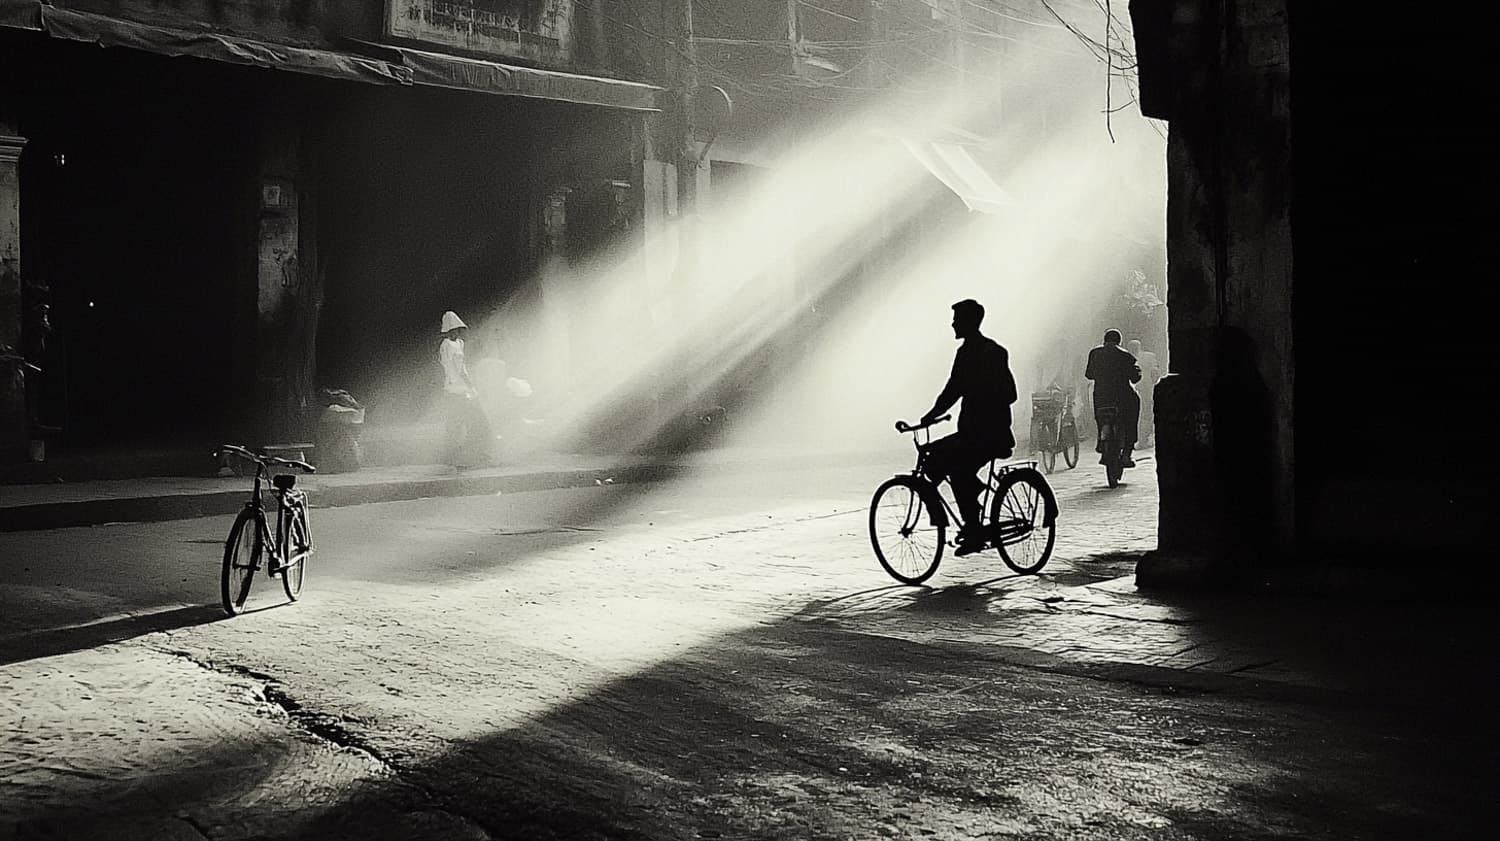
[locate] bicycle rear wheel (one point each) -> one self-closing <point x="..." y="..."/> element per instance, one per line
<point x="242" y="552"/>
<point x="1022" y="528"/>
<point x="1045" y="445"/>
<point x="296" y="544"/>
<point x="1070" y="445"/>
<point x="908" y="541"/>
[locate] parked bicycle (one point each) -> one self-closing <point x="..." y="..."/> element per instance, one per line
<point x="250" y="538"/>
<point x="909" y="517"/>
<point x="1054" y="430"/>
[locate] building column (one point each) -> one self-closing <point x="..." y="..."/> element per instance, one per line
<point x="1224" y="412"/>
<point x="286" y="304"/>
<point x="13" y="432"/>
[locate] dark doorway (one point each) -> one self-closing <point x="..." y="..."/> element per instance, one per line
<point x="133" y="184"/>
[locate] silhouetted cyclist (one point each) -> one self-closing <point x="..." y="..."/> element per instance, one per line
<point x="1113" y="370"/>
<point x="981" y="378"/>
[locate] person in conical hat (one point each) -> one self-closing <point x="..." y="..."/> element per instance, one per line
<point x="468" y="438"/>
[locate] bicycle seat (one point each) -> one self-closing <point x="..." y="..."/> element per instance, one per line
<point x="284" y="481"/>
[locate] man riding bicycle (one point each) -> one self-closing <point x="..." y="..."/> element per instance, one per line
<point x="982" y="379"/>
<point x="1114" y="372"/>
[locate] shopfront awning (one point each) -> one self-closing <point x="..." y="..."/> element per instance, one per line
<point x="952" y="164"/>
<point x="118" y="32"/>
<point x="472" y="74"/>
<point x="21" y="14"/>
<point x="397" y="65"/>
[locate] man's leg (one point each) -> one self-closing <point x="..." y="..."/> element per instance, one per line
<point x="1132" y="424"/>
<point x="967" y="486"/>
<point x="944" y="461"/>
<point x="953" y="459"/>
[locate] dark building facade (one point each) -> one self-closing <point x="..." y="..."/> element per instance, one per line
<point x="1328" y="214"/>
<point x="236" y="204"/>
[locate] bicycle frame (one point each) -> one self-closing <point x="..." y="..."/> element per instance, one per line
<point x="991" y="484"/>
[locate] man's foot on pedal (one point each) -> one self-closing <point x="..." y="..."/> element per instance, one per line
<point x="1128" y="462"/>
<point x="969" y="544"/>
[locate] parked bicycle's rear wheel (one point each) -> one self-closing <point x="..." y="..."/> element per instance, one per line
<point x="1045" y="444"/>
<point x="1070" y="444"/>
<point x="1023" y="524"/>
<point x="298" y="545"/>
<point x="242" y="554"/>
<point x="907" y="540"/>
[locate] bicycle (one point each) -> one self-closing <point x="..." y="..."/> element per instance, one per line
<point x="250" y="537"/>
<point x="1053" y="428"/>
<point x="1111" y="449"/>
<point x="909" y="517"/>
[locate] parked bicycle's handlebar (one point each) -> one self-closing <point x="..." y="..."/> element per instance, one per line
<point x="263" y="460"/>
<point x="903" y="426"/>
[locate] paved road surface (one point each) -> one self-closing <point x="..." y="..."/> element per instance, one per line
<point x="715" y="658"/>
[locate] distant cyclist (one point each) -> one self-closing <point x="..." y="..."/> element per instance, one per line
<point x="1114" y="370"/>
<point x="982" y="379"/>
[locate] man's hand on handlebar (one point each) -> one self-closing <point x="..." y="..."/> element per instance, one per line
<point x="927" y="420"/>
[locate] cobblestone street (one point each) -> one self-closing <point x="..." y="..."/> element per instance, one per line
<point x="715" y="658"/>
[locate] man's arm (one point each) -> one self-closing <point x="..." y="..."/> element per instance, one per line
<point x="1090" y="372"/>
<point x="948" y="396"/>
<point x="1008" y="382"/>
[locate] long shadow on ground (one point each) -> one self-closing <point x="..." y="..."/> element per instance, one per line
<point x="801" y="729"/>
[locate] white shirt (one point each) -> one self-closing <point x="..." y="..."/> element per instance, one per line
<point x="455" y="372"/>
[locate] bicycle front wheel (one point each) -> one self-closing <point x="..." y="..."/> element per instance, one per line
<point x="1022" y="528"/>
<point x="242" y="553"/>
<point x="1070" y="445"/>
<point x="908" y="541"/>
<point x="298" y="545"/>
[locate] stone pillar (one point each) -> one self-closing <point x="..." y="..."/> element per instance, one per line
<point x="1188" y="516"/>
<point x="279" y="348"/>
<point x="1224" y="413"/>
<point x="12" y="379"/>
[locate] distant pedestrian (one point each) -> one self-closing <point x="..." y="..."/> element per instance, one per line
<point x="1150" y="375"/>
<point x="468" y="441"/>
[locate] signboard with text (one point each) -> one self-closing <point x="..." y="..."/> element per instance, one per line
<point x="532" y="29"/>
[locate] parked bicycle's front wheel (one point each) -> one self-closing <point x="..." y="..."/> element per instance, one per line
<point x="242" y="554"/>
<point x="908" y="541"/>
<point x="297" y="545"/>
<point x="1022" y="521"/>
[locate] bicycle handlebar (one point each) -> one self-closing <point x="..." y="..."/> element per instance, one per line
<point x="903" y="426"/>
<point x="264" y="460"/>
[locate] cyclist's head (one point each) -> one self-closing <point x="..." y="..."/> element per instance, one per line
<point x="1111" y="337"/>
<point x="967" y="315"/>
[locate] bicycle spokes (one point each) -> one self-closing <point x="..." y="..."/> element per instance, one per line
<point x="1022" y="528"/>
<point x="907" y="541"/>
